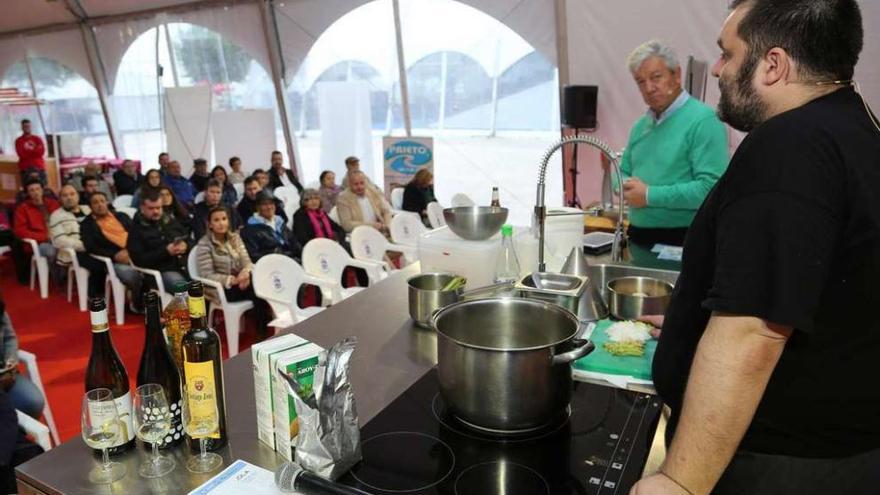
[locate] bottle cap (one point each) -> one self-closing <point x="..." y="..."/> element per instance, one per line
<point x="196" y="289"/>
<point x="507" y="230"/>
<point x="181" y="286"/>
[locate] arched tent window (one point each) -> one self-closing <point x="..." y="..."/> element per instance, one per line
<point x="524" y="90"/>
<point x="196" y="56"/>
<point x="73" y="106"/>
<point x="348" y="70"/>
<point x="463" y="97"/>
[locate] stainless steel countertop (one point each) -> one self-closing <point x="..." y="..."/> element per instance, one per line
<point x="392" y="354"/>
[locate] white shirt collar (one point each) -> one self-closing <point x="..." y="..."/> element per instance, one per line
<point x="678" y="103"/>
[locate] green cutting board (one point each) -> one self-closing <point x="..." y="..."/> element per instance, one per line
<point x="601" y="361"/>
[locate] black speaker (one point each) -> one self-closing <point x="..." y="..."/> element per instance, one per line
<point x="579" y="106"/>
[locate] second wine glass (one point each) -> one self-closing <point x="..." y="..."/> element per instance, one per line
<point x="152" y="421"/>
<point x="200" y="422"/>
<point x="100" y="430"/>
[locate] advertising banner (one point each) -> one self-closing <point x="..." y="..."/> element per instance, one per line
<point x="404" y="156"/>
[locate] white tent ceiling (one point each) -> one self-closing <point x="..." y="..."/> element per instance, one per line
<point x="28" y="14"/>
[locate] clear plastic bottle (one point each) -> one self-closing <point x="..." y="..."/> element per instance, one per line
<point x="177" y="323"/>
<point x="507" y="266"/>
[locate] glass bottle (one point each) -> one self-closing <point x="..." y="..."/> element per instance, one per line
<point x="177" y="322"/>
<point x="507" y="265"/>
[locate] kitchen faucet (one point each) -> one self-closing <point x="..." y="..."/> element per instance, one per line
<point x="541" y="210"/>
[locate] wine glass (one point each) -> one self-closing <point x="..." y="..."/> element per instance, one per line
<point x="152" y="421"/>
<point x="100" y="430"/>
<point x="200" y="422"/>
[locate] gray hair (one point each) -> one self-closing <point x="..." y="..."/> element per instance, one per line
<point x="308" y="194"/>
<point x="653" y="48"/>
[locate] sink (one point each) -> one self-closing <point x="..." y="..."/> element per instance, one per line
<point x="600" y="275"/>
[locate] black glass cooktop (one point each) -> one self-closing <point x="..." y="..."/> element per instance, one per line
<point x="414" y="446"/>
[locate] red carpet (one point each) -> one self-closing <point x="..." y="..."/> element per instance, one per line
<point x="59" y="334"/>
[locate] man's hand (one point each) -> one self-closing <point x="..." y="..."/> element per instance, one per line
<point x="244" y="282"/>
<point x="657" y="484"/>
<point x="655" y="321"/>
<point x="122" y="256"/>
<point x="635" y="192"/>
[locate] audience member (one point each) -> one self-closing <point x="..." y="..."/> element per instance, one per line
<point x="127" y="179"/>
<point x="280" y="176"/>
<point x="310" y="221"/>
<point x="64" y="228"/>
<point x="328" y="190"/>
<point x="105" y="233"/>
<point x="199" y="177"/>
<point x="419" y="192"/>
<point x="15" y="448"/>
<point x="223" y="257"/>
<point x="171" y="207"/>
<point x="353" y="164"/>
<point x="248" y="204"/>
<point x="362" y="205"/>
<point x="267" y="232"/>
<point x="31" y="219"/>
<point x="158" y="241"/>
<point x="30" y="150"/>
<point x="183" y="189"/>
<point x="89" y="187"/>
<point x="152" y="181"/>
<point x="229" y="196"/>
<point x="236" y="176"/>
<point x="91" y="169"/>
<point x="25" y="396"/>
<point x="263" y="177"/>
<point x="164" y="161"/>
<point x="212" y="200"/>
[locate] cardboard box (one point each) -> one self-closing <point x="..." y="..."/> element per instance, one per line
<point x="300" y="363"/>
<point x="262" y="354"/>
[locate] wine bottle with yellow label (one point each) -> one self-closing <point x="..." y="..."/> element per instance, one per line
<point x="203" y="372"/>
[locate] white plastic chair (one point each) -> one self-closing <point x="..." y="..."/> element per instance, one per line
<point x="334" y="214"/>
<point x="200" y="197"/>
<point x="461" y="199"/>
<point x="30" y="362"/>
<point x="232" y="311"/>
<point x="39" y="268"/>
<point x="35" y="429"/>
<point x="397" y="198"/>
<point x="127" y="210"/>
<point x="406" y="228"/>
<point x="435" y="215"/>
<point x="277" y="279"/>
<point x="326" y="260"/>
<point x="164" y="295"/>
<point x="4" y="250"/>
<point x="123" y="201"/>
<point x="287" y="195"/>
<point x="78" y="274"/>
<point x="369" y="244"/>
<point x="114" y="289"/>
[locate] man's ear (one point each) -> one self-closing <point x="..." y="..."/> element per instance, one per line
<point x="775" y="67"/>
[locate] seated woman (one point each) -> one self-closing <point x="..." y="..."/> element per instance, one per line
<point x="418" y="193"/>
<point x="267" y="232"/>
<point x="222" y="257"/>
<point x="328" y="190"/>
<point x="230" y="196"/>
<point x="311" y="220"/>
<point x="173" y="208"/>
<point x="152" y="180"/>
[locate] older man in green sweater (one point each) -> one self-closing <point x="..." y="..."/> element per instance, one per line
<point x="675" y="153"/>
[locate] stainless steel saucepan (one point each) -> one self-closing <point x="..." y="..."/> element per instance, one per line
<point x="426" y="295"/>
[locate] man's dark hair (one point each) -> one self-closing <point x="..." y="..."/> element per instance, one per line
<point x="233" y="160"/>
<point x="265" y="197"/>
<point x="258" y="172"/>
<point x="149" y="195"/>
<point x="96" y="194"/>
<point x="351" y="159"/>
<point x="200" y="161"/>
<point x="250" y="179"/>
<point x="162" y="154"/>
<point x="213" y="183"/>
<point x="31" y="181"/>
<point x="89" y="178"/>
<point x="276" y="152"/>
<point x="824" y="37"/>
<point x="25" y="121"/>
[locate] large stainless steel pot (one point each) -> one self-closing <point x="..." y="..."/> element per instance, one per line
<point x="504" y="363"/>
<point x="426" y="295"/>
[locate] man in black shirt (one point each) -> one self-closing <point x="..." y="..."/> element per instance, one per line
<point x="280" y="176"/>
<point x="770" y="344"/>
<point x="158" y="241"/>
<point x="127" y="179"/>
<point x="200" y="176"/>
<point x="248" y="204"/>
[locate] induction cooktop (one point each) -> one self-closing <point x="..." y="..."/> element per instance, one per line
<point x="415" y="446"/>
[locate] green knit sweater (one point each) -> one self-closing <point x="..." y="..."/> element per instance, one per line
<point x="680" y="159"/>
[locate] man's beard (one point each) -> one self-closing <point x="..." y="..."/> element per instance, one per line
<point x="740" y="106"/>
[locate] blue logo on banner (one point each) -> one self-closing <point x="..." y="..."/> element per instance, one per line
<point x="407" y="157"/>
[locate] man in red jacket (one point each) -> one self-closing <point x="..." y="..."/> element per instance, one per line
<point x="31" y="219"/>
<point x="30" y="150"/>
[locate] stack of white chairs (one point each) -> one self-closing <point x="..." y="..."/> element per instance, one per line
<point x="326" y="260"/>
<point x="277" y="279"/>
<point x="368" y="244"/>
<point x="232" y="311"/>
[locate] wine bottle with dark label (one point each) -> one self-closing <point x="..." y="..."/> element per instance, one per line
<point x="203" y="371"/>
<point x="105" y="370"/>
<point x="157" y="366"/>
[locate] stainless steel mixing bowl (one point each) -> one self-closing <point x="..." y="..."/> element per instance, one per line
<point x="475" y="223"/>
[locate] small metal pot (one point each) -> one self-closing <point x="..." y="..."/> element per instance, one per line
<point x="504" y="364"/>
<point x="630" y="298"/>
<point x="426" y="296"/>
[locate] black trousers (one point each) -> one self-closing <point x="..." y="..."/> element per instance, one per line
<point x="763" y="474"/>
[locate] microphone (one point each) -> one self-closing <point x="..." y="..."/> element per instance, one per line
<point x="291" y="478"/>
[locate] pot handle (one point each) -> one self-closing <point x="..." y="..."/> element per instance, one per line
<point x="582" y="348"/>
<point x="497" y="287"/>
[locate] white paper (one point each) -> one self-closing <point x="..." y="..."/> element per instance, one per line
<point x="240" y="477"/>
